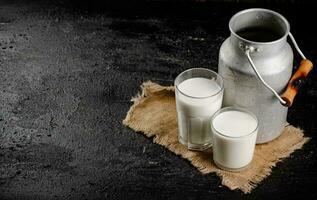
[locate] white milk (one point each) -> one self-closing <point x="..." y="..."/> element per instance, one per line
<point x="234" y="136"/>
<point x="194" y="114"/>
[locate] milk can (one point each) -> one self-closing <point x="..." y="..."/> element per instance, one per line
<point x="256" y="64"/>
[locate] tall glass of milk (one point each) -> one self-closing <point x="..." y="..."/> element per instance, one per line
<point x="199" y="93"/>
<point x="234" y="135"/>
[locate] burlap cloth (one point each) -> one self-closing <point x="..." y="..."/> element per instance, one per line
<point x="154" y="114"/>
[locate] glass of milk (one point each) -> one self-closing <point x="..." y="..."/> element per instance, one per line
<point x="234" y="135"/>
<point x="199" y="93"/>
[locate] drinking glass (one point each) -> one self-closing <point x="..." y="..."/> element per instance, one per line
<point x="194" y="111"/>
<point x="234" y="132"/>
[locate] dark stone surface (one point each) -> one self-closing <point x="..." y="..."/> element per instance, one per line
<point x="67" y="73"/>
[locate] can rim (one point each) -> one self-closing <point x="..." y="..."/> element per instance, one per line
<point x="264" y="11"/>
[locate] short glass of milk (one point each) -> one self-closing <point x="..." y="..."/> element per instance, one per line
<point x="234" y="135"/>
<point x="199" y="93"/>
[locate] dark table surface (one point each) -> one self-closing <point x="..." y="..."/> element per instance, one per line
<point x="67" y="73"/>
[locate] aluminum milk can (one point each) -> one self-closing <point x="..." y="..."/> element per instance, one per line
<point x="256" y="64"/>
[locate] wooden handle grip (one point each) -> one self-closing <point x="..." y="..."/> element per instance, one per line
<point x="297" y="80"/>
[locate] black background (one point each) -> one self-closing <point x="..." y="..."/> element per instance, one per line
<point x="61" y="133"/>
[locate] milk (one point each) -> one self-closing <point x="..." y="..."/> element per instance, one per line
<point x="234" y="136"/>
<point x="234" y="123"/>
<point x="197" y="99"/>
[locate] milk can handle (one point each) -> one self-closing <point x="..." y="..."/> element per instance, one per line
<point x="296" y="81"/>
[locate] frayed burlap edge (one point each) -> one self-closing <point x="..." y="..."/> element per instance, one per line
<point x="266" y="168"/>
<point x="148" y="88"/>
